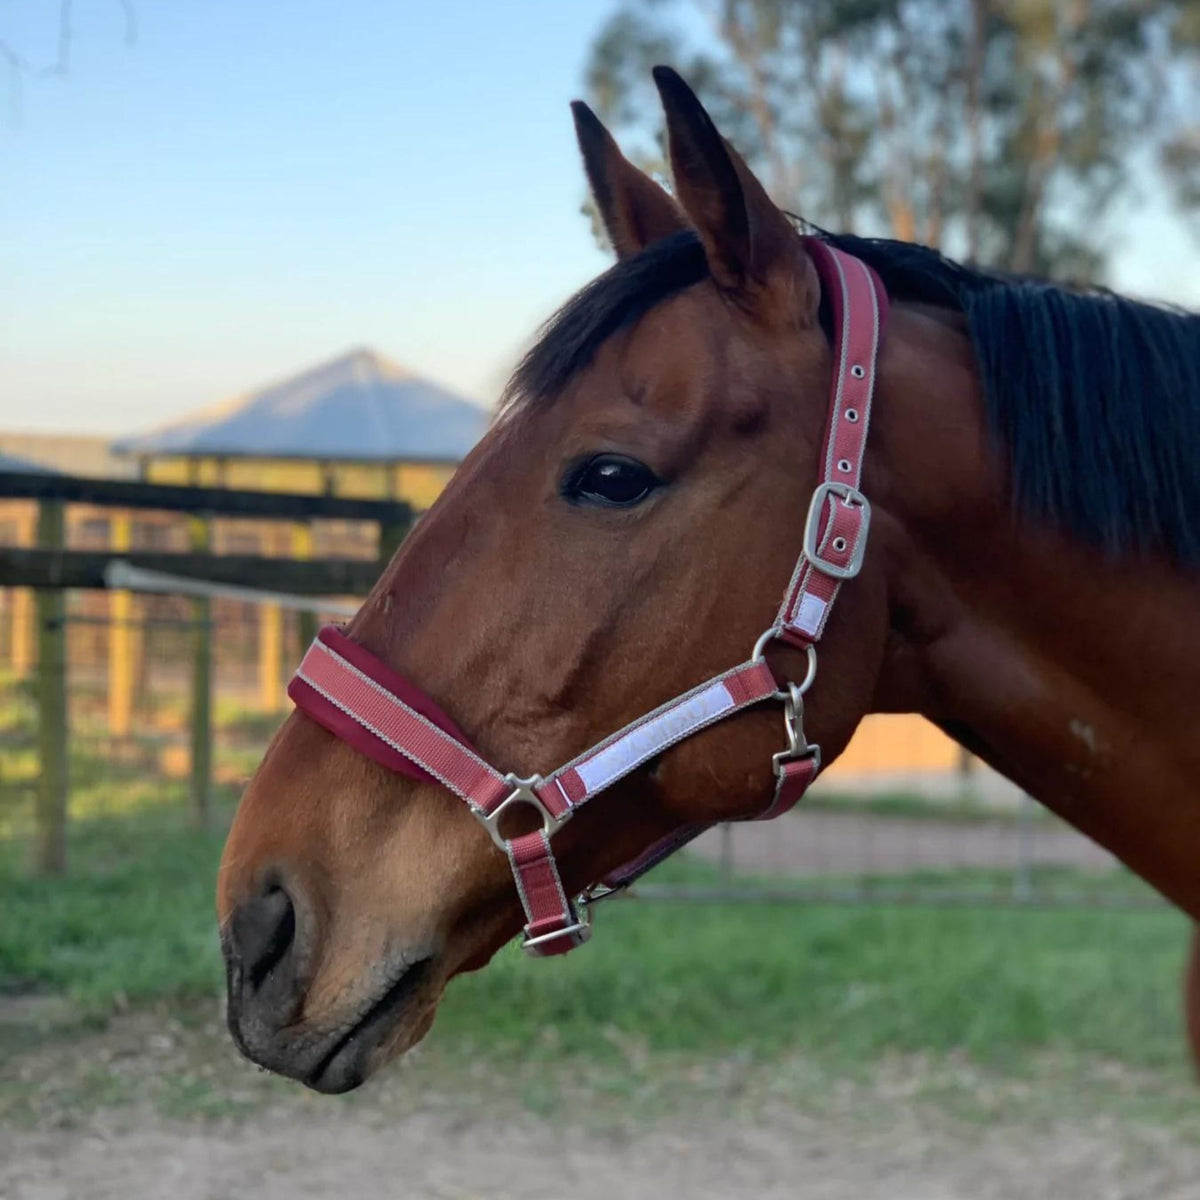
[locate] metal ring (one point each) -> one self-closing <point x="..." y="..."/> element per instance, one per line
<point x="764" y="640"/>
<point x="844" y="465"/>
<point x="839" y="544"/>
<point x="858" y="372"/>
<point x="810" y="673"/>
<point x="786" y="694"/>
<point x="852" y="415"/>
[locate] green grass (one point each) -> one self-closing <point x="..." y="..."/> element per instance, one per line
<point x="854" y="982"/>
<point x="133" y="925"/>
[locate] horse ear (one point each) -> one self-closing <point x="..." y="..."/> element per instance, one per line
<point x="636" y="212"/>
<point x="747" y="239"/>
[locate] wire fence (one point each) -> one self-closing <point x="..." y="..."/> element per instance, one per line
<point x="903" y="817"/>
<point x="129" y="698"/>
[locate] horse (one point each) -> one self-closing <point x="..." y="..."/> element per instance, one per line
<point x="622" y="533"/>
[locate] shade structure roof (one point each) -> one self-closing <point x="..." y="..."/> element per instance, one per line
<point x="358" y="407"/>
<point x="9" y="462"/>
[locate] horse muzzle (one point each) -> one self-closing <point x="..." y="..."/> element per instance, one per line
<point x="269" y="946"/>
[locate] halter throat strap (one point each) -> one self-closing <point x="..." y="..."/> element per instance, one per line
<point x="361" y="700"/>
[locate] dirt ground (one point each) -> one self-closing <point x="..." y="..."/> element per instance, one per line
<point x="154" y="1111"/>
<point x="439" y="1155"/>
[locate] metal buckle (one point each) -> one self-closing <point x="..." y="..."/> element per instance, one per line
<point x="581" y="909"/>
<point x="798" y="746"/>
<point x="812" y="529"/>
<point x="522" y="793"/>
<point x="581" y="931"/>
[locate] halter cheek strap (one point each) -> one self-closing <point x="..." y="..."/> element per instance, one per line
<point x="362" y="701"/>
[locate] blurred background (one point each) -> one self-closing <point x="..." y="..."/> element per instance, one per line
<point x="264" y="267"/>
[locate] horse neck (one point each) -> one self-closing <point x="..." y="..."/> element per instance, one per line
<point x="1073" y="675"/>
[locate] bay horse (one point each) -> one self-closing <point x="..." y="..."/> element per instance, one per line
<point x="623" y="532"/>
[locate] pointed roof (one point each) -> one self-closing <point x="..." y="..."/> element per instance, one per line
<point x="9" y="462"/>
<point x="357" y="407"/>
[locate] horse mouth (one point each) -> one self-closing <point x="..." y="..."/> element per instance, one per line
<point x="349" y="1059"/>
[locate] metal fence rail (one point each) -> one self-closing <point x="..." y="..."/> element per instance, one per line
<point x="853" y="848"/>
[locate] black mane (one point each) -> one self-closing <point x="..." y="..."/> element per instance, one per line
<point x="1095" y="397"/>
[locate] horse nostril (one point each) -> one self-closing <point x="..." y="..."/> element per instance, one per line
<point x="261" y="934"/>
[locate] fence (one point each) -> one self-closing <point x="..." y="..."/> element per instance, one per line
<point x="150" y="664"/>
<point x="905" y="817"/>
<point x="146" y="769"/>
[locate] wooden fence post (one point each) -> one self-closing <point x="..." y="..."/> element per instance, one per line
<point x="270" y="644"/>
<point x="391" y="534"/>
<point x="24" y="612"/>
<point x="123" y="639"/>
<point x="52" y="705"/>
<point x="202" y="732"/>
<point x="306" y="619"/>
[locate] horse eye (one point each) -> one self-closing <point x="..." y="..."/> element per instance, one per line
<point x="611" y="479"/>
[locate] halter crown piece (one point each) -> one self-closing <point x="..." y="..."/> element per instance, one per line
<point x="361" y="700"/>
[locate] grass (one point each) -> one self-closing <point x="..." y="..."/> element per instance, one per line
<point x="133" y="925"/>
<point x="854" y="983"/>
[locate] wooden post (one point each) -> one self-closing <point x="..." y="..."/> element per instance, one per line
<point x="122" y="639"/>
<point x="967" y="775"/>
<point x="391" y="534"/>
<point x="270" y="647"/>
<point x="24" y="633"/>
<point x="52" y="705"/>
<point x="201" y="784"/>
<point x="270" y="657"/>
<point x="24" y="617"/>
<point x="302" y="548"/>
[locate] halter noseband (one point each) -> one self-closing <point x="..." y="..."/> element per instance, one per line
<point x="366" y="704"/>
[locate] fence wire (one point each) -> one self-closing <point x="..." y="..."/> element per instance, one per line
<point x="902" y="818"/>
<point x="130" y="697"/>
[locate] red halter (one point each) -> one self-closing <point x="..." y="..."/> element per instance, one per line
<point x="364" y="702"/>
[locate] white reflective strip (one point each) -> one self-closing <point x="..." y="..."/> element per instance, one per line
<point x="812" y="612"/>
<point x="645" y="741"/>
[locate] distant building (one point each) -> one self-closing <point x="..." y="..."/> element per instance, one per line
<point x="72" y="454"/>
<point x="9" y="463"/>
<point x="356" y="426"/>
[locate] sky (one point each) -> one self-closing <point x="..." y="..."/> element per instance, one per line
<point x="256" y="185"/>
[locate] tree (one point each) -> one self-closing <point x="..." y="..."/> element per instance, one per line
<point x="21" y="67"/>
<point x="1000" y="130"/>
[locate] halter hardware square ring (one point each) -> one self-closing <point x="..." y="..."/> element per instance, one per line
<point x="852" y="497"/>
<point x="523" y="792"/>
